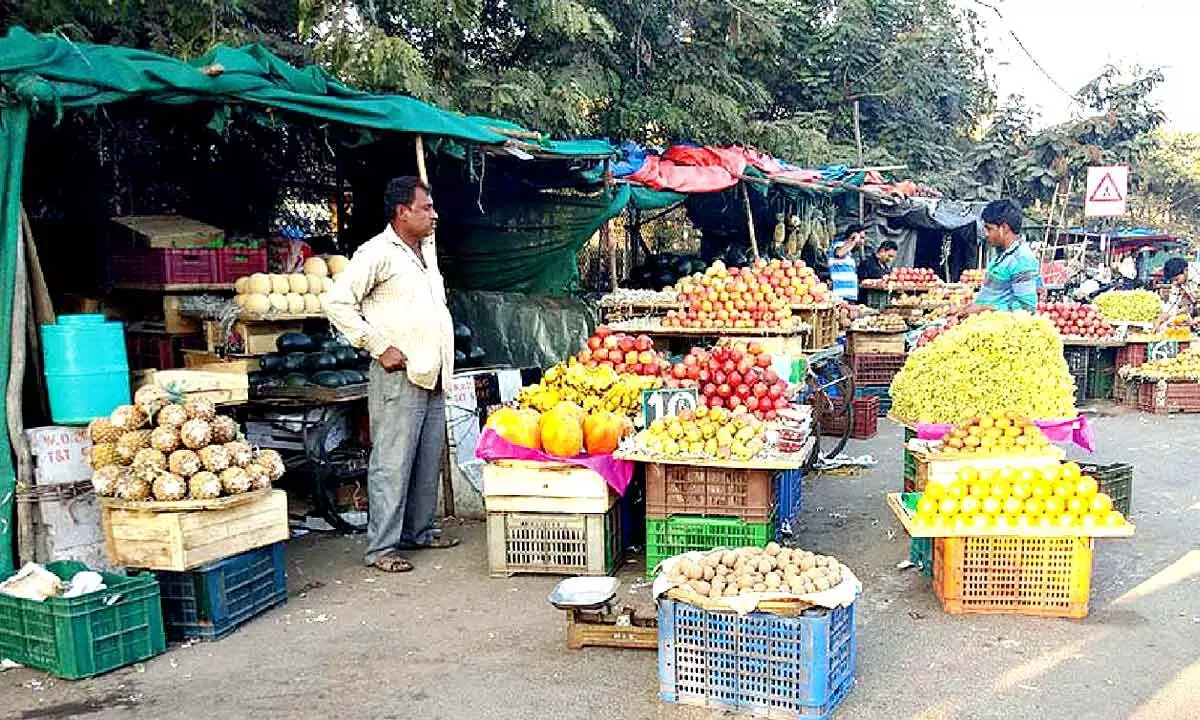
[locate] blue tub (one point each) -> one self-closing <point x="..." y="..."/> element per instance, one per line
<point x="87" y="370"/>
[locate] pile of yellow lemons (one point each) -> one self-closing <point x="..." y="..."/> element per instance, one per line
<point x="1055" y="496"/>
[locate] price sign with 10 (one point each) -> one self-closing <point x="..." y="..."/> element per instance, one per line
<point x="665" y="402"/>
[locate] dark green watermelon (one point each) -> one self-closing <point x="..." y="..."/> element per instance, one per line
<point x="295" y="380"/>
<point x="294" y="362"/>
<point x="346" y="357"/>
<point x="316" y="362"/>
<point x="328" y="378"/>
<point x="353" y="377"/>
<point x="293" y="342"/>
<point x="271" y="363"/>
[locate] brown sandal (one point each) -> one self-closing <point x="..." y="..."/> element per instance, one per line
<point x="392" y="562"/>
<point x="441" y="543"/>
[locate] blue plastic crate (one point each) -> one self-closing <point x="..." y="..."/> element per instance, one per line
<point x="762" y="664"/>
<point x="215" y="599"/>
<point x="883" y="392"/>
<point x="791" y="500"/>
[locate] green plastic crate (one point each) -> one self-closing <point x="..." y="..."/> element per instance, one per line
<point x="920" y="553"/>
<point x="682" y="533"/>
<point x="84" y="636"/>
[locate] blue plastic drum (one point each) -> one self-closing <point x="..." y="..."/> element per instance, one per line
<point x="87" y="370"/>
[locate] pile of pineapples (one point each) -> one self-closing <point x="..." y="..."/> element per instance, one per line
<point x="156" y="449"/>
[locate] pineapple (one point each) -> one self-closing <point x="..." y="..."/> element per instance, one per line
<point x="165" y="439"/>
<point x="149" y="457"/>
<point x="235" y="481"/>
<point x="195" y="434"/>
<point x="214" y="457"/>
<point x="169" y="486"/>
<point x="101" y="430"/>
<point x="127" y="417"/>
<point x="224" y="429"/>
<point x="150" y="399"/>
<point x="103" y="455"/>
<point x="106" y="479"/>
<point x="272" y="461"/>
<point x="172" y="416"/>
<point x="131" y="442"/>
<point x="135" y="485"/>
<point x="259" y="478"/>
<point x="200" y="408"/>
<point x="184" y="462"/>
<point x="240" y="453"/>
<point x="204" y="486"/>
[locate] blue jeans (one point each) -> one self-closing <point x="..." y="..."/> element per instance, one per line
<point x="408" y="430"/>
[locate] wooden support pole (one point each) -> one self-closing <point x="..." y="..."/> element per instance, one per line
<point x="750" y="221"/>
<point x="421" y="172"/>
<point x="13" y="397"/>
<point x="858" y="143"/>
<point x="448" y="509"/>
<point x="609" y="246"/>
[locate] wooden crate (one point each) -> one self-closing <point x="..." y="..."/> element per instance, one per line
<point x="945" y="470"/>
<point x="165" y="231"/>
<point x="823" y="321"/>
<point x="624" y="630"/>
<point x="538" y="487"/>
<point x="215" y="382"/>
<point x="258" y="337"/>
<point x="180" y="541"/>
<point x="871" y="343"/>
<point x="554" y="543"/>
<point x="205" y="360"/>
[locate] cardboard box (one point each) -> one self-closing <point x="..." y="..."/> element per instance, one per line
<point x="165" y="231"/>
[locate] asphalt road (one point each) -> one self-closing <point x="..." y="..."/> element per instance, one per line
<point x="447" y="641"/>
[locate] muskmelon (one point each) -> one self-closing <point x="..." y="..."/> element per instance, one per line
<point x="279" y="302"/>
<point x="316" y="266"/>
<point x="297" y="283"/>
<point x="280" y="284"/>
<point x="259" y="283"/>
<point x="326" y="284"/>
<point x="295" y="303"/>
<point x="337" y="264"/>
<point x="258" y="303"/>
<point x="315" y="284"/>
<point x="240" y="300"/>
<point x="312" y="304"/>
<point x="241" y="285"/>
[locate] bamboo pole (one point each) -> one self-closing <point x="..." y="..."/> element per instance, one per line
<point x="858" y="143"/>
<point x="610" y="248"/>
<point x="749" y="220"/>
<point x="13" y="396"/>
<point x="421" y="172"/>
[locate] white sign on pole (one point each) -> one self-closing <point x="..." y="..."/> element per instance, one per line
<point x="1107" y="191"/>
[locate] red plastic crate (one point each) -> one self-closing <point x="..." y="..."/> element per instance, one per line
<point x="876" y="368"/>
<point x="1133" y="355"/>
<point x="174" y="266"/>
<point x="156" y="351"/>
<point x="1161" y="398"/>
<point x="233" y="263"/>
<point x="866" y="418"/>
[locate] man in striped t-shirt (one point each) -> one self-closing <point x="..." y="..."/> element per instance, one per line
<point x="843" y="276"/>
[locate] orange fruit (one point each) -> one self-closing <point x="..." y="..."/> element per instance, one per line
<point x="928" y="506"/>
<point x="1086" y="487"/>
<point x="968" y="474"/>
<point x="958" y="489"/>
<point x="1091" y="520"/>
<point x="1001" y="490"/>
<point x="1077" y="505"/>
<point x="1034" y="507"/>
<point x="979" y="490"/>
<point x="1012" y="506"/>
<point x="1068" y="519"/>
<point x="969" y="505"/>
<point x="1070" y="471"/>
<point x="1055" y="505"/>
<point x="1042" y="490"/>
<point x="1064" y="489"/>
<point x="991" y="506"/>
<point x="948" y="506"/>
<point x="1051" y="472"/>
<point x="1022" y="490"/>
<point x="1101" y="503"/>
<point x="935" y="491"/>
<point x="1114" y="518"/>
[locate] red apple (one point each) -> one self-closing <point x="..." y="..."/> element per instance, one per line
<point x="603" y="331"/>
<point x="644" y="343"/>
<point x="646" y="357"/>
<point x="594" y="342"/>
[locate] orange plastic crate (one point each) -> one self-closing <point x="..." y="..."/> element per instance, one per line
<point x="1050" y="577"/>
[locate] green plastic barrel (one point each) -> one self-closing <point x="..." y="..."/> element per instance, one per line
<point x="87" y="371"/>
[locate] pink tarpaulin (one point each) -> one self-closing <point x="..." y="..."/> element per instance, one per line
<point x="615" y="472"/>
<point x="662" y="174"/>
<point x="1076" y="430"/>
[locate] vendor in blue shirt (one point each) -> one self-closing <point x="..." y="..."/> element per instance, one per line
<point x="1011" y="281"/>
<point x="843" y="275"/>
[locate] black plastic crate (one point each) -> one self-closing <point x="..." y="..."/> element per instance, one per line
<point x="1078" y="358"/>
<point x="215" y="599"/>
<point x="1114" y="480"/>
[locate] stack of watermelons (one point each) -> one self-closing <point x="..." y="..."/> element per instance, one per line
<point x="304" y="360"/>
<point x="466" y="353"/>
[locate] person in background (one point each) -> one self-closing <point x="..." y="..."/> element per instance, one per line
<point x="843" y="276"/>
<point x="1181" y="298"/>
<point x="391" y="300"/>
<point x="1011" y="281"/>
<point x="877" y="264"/>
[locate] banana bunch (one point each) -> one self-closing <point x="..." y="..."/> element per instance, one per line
<point x="592" y="388"/>
<point x="1184" y="366"/>
<point x="1139" y="306"/>
<point x="992" y="362"/>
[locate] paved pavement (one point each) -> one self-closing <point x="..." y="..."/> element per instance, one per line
<point x="448" y="642"/>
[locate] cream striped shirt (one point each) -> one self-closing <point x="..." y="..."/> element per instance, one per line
<point x="386" y="298"/>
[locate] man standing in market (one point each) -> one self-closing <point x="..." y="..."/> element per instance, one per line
<point x="876" y="265"/>
<point x="391" y="300"/>
<point x="843" y="276"/>
<point x="1011" y="281"/>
